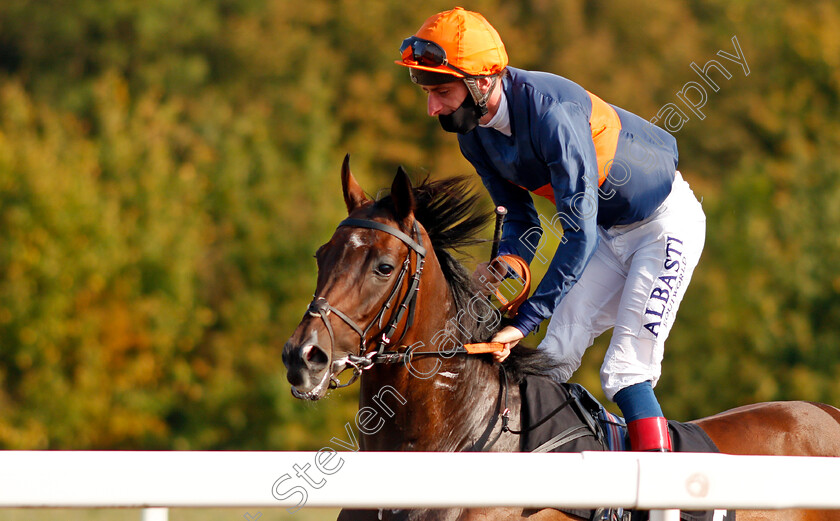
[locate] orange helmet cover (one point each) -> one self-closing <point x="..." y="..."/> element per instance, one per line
<point x="470" y="42"/>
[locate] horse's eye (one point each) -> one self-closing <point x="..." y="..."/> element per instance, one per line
<point x="384" y="269"/>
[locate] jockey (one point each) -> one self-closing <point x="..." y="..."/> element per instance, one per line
<point x="631" y="230"/>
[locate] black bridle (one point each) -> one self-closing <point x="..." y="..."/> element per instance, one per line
<point x="319" y="307"/>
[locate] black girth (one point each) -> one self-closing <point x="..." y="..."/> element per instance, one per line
<point x="319" y="307"/>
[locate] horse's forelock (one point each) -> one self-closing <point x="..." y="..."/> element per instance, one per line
<point x="448" y="210"/>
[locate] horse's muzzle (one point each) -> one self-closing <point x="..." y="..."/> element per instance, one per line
<point x="307" y="367"/>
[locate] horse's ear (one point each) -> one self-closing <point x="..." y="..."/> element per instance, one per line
<point x="354" y="196"/>
<point x="402" y="195"/>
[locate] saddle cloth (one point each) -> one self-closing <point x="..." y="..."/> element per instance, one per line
<point x="584" y="424"/>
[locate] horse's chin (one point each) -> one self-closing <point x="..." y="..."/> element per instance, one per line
<point x="317" y="392"/>
<point x="322" y="387"/>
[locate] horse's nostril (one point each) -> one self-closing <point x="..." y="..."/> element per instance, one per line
<point x="314" y="357"/>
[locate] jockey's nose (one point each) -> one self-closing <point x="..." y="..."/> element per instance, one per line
<point x="433" y="104"/>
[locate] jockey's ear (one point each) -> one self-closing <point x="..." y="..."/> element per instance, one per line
<point x="354" y="196"/>
<point x="402" y="195"/>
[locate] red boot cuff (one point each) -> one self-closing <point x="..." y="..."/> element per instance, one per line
<point x="649" y="434"/>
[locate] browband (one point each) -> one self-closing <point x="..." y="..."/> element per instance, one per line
<point x="364" y="223"/>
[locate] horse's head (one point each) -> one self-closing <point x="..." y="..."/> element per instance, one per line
<point x="366" y="277"/>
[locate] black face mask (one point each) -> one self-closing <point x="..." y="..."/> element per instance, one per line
<point x="464" y="119"/>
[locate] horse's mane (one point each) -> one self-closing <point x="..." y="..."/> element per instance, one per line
<point x="451" y="216"/>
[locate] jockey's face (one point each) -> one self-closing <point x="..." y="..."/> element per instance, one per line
<point x="445" y="98"/>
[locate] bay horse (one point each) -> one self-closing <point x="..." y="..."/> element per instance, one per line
<point x="390" y="290"/>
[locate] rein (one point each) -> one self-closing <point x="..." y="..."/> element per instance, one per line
<point x="320" y="307"/>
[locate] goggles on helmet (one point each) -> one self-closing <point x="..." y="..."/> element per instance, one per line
<point x="426" y="53"/>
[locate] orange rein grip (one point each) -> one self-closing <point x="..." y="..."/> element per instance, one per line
<point x="484" y="347"/>
<point x="518" y="265"/>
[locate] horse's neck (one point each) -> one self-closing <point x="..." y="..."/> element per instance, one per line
<point x="433" y="403"/>
<point x="456" y="407"/>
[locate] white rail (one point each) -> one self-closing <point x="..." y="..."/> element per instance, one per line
<point x="414" y="480"/>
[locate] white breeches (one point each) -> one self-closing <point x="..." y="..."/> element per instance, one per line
<point x="634" y="283"/>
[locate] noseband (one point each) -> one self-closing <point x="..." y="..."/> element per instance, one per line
<point x="319" y="307"/>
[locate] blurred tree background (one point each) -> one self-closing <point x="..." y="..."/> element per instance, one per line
<point x="168" y="168"/>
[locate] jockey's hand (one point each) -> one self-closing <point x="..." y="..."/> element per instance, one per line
<point x="485" y="279"/>
<point x="509" y="336"/>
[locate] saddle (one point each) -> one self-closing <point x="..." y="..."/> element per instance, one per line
<point x="583" y="424"/>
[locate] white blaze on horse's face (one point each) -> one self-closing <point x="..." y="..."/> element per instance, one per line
<point x="356" y="241"/>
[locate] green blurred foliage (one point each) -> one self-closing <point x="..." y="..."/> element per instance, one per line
<point x="168" y="168"/>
